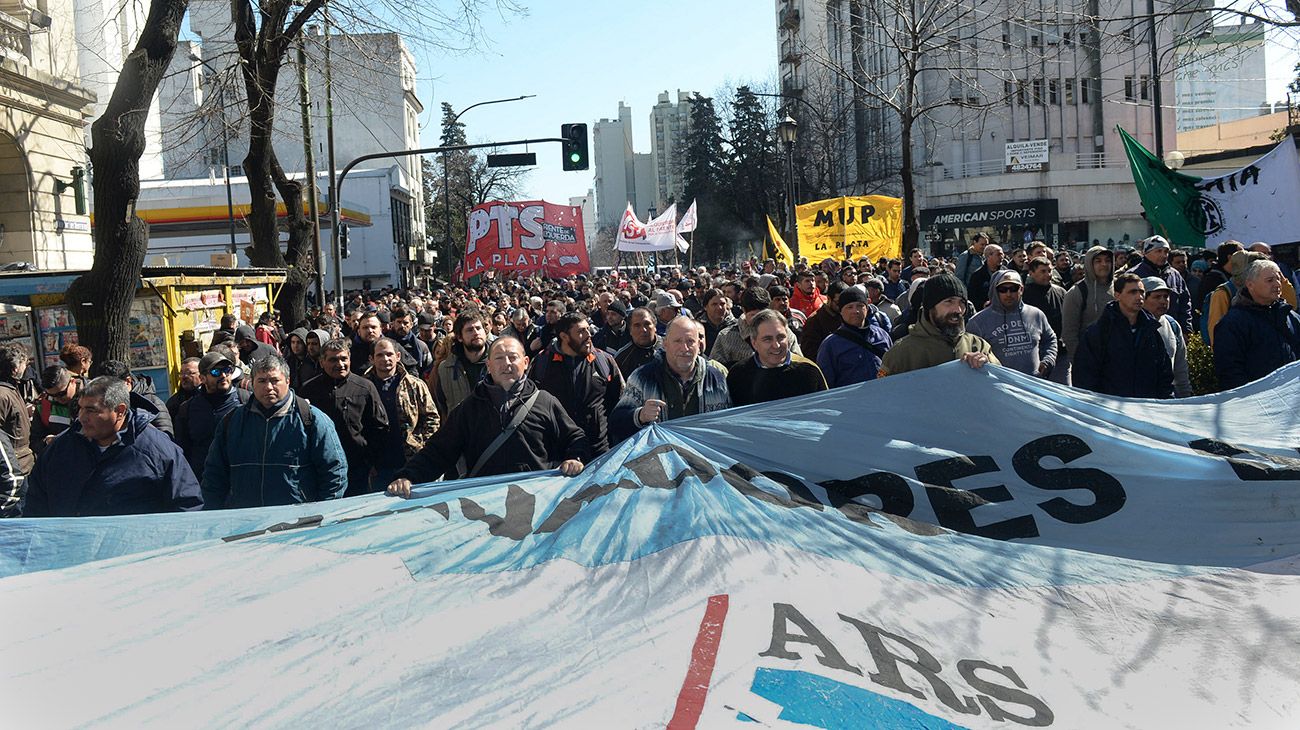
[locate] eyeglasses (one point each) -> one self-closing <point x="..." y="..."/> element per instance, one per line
<point x="1007" y="289"/>
<point x="221" y="370"/>
<point x="61" y="393"/>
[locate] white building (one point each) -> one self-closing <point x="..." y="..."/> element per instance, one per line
<point x="588" y="204"/>
<point x="622" y="175"/>
<point x="42" y="143"/>
<point x="375" y="109"/>
<point x="1221" y="76"/>
<point x="670" y="122"/>
<point x="995" y="82"/>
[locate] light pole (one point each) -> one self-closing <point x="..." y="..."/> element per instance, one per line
<point x="446" y="178"/>
<point x="225" y="152"/>
<point x="788" y="131"/>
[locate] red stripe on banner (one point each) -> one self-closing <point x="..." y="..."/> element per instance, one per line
<point x="690" y="701"/>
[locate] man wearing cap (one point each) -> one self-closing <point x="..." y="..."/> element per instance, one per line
<point x="888" y="308"/>
<point x="1156" y="303"/>
<point x="1155" y="262"/>
<point x="939" y="334"/>
<point x="852" y="354"/>
<point x="1122" y="353"/>
<point x="667" y="308"/>
<point x="983" y="276"/>
<point x="614" y="335"/>
<point x="197" y="418"/>
<point x="1020" y="334"/>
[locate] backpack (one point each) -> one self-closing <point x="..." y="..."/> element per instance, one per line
<point x="1205" y="307"/>
<point x="304" y="411"/>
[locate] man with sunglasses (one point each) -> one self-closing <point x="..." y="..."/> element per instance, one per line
<point x="56" y="408"/>
<point x="1021" y="336"/>
<point x="198" y="418"/>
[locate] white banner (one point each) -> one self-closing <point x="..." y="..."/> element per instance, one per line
<point x="688" y="221"/>
<point x="659" y="234"/>
<point x="1257" y="202"/>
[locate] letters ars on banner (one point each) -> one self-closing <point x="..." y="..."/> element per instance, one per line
<point x="526" y="236"/>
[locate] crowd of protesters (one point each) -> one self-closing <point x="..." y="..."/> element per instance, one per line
<point x="519" y="374"/>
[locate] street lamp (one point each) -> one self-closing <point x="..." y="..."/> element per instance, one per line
<point x="788" y="131"/>
<point x="446" y="182"/>
<point x="225" y="152"/>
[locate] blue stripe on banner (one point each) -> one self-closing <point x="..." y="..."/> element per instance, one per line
<point x="815" y="701"/>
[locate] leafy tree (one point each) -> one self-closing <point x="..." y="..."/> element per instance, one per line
<point x="704" y="177"/>
<point x="755" y="171"/>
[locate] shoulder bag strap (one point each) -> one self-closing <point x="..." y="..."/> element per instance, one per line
<point x="518" y="418"/>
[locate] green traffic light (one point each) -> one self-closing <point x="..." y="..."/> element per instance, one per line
<point x="574" y="156"/>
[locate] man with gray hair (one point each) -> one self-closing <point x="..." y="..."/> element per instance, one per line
<point x="354" y="405"/>
<point x="110" y="462"/>
<point x="275" y="449"/>
<point x="1260" y="333"/>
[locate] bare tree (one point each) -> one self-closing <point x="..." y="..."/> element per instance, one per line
<point x="101" y="299"/>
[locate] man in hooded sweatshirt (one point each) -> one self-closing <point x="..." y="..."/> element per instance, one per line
<point x="1020" y="334"/>
<point x="1084" y="303"/>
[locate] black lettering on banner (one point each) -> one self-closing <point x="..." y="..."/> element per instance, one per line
<point x="740" y="477"/>
<point x="1108" y="493"/>
<point x="952" y="506"/>
<point x="824" y="218"/>
<point x="888" y="673"/>
<point x="1042" y="716"/>
<point x="891" y="489"/>
<point x="828" y="656"/>
<point x="517" y="523"/>
<point x="1286" y="469"/>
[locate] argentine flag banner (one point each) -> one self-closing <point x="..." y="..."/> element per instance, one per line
<point x="997" y="551"/>
<point x="1254" y="203"/>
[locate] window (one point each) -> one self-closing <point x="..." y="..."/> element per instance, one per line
<point x="1129" y="93"/>
<point x="1085" y="87"/>
<point x="1053" y="93"/>
<point x="1020" y="92"/>
<point x="1067" y="39"/>
<point x="1145" y="85"/>
<point x="1038" y="92"/>
<point x="236" y="170"/>
<point x="1127" y="34"/>
<point x="1069" y="91"/>
<point x="1006" y="89"/>
<point x="1035" y="40"/>
<point x="1006" y="42"/>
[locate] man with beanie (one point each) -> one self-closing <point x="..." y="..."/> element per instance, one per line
<point x="939" y="335"/>
<point x="1020" y="334"/>
<point x="852" y="354"/>
<point x="1155" y="262"/>
<point x="614" y="335"/>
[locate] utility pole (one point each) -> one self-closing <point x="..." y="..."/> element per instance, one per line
<point x="1156" y="98"/>
<point x="335" y="204"/>
<point x="304" y="98"/>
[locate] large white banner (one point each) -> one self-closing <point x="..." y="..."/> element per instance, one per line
<point x="659" y="234"/>
<point x="706" y="574"/>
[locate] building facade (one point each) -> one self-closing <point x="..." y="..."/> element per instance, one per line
<point x="985" y="88"/>
<point x="375" y="109"/>
<point x="670" y="123"/>
<point x="44" y="110"/>
<point x="622" y="175"/>
<point x="1221" y="76"/>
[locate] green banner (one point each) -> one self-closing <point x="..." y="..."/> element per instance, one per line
<point x="1170" y="199"/>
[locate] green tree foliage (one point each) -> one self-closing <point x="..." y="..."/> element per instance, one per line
<point x="754" y="170"/>
<point x="704" y="175"/>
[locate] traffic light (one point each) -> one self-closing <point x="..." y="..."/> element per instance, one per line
<point x="343" y="241"/>
<point x="575" y="146"/>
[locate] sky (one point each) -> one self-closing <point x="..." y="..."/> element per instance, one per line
<point x="581" y="58"/>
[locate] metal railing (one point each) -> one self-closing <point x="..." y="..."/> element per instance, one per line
<point x="1082" y="161"/>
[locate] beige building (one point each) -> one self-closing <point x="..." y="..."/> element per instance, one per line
<point x="43" y="114"/>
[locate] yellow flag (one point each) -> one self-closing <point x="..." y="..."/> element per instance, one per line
<point x="864" y="225"/>
<point x="781" y="252"/>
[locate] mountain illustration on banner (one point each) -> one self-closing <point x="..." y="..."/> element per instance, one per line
<point x="1254" y="203"/>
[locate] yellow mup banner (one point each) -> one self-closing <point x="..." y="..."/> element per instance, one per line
<point x="851" y="227"/>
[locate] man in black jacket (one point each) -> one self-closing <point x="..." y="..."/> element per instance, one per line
<point x="144" y="397"/>
<point x="250" y="350"/>
<point x="354" y="406"/>
<point x="198" y="418"/>
<point x="544" y="437"/>
<point x="645" y="340"/>
<point x="1122" y="353"/>
<point x="584" y="379"/>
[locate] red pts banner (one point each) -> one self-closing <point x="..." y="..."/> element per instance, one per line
<point x="529" y="236"/>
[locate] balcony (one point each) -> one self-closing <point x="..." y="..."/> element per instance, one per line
<point x="789" y="18"/>
<point x="791" y="87"/>
<point x="15" y="39"/>
<point x="1084" y="161"/>
<point x="790" y="52"/>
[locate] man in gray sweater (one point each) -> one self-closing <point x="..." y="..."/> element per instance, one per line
<point x="1020" y="334"/>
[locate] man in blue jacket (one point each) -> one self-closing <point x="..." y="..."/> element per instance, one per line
<point x="275" y="449"/>
<point x="852" y="354"/>
<point x="1260" y="333"/>
<point x="1122" y="353"/>
<point x="112" y="461"/>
